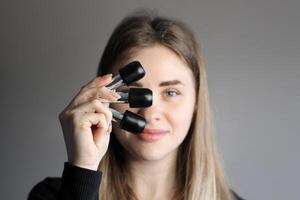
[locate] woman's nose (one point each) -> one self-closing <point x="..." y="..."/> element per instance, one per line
<point x="152" y="113"/>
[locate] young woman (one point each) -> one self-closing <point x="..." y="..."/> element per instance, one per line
<point x="175" y="157"/>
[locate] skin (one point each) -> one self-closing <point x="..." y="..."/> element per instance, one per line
<point x="86" y="121"/>
<point x="86" y="124"/>
<point x="171" y="81"/>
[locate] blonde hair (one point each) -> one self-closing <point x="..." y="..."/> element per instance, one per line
<point x="198" y="169"/>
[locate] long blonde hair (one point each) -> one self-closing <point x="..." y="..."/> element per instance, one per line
<point x="198" y="169"/>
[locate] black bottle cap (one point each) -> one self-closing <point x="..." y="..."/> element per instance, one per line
<point x="132" y="122"/>
<point x="132" y="72"/>
<point x="140" y="97"/>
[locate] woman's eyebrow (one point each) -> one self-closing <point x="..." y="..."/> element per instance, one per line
<point x="162" y="84"/>
<point x="171" y="82"/>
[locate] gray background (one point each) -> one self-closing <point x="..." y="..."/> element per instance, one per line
<point x="49" y="49"/>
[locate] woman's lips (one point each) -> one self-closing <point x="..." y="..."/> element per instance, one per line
<point x="151" y="135"/>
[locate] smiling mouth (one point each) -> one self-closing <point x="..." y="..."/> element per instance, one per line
<point x="152" y="135"/>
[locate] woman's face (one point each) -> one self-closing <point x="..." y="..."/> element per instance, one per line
<point x="169" y="117"/>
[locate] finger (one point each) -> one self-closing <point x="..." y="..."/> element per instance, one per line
<point x="97" y="119"/>
<point x="97" y="123"/>
<point x="101" y="129"/>
<point x="101" y="137"/>
<point x="94" y="106"/>
<point x="102" y="93"/>
<point x="98" y="81"/>
<point x="95" y="89"/>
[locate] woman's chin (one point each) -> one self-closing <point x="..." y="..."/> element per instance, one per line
<point x="150" y="154"/>
<point x="144" y="150"/>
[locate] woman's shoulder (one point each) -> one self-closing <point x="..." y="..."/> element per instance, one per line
<point x="47" y="188"/>
<point x="75" y="181"/>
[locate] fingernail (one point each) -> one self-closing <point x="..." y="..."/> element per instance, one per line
<point x="107" y="75"/>
<point x="116" y="95"/>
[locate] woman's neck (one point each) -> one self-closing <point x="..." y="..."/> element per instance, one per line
<point x="154" y="179"/>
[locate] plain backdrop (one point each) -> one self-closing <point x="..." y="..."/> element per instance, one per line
<point x="49" y="49"/>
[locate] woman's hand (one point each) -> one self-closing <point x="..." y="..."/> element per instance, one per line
<point x="86" y="123"/>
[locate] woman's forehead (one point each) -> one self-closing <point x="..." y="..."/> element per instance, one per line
<point x="160" y="60"/>
<point x="161" y="64"/>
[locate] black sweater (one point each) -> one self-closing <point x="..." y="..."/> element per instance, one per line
<point x="75" y="184"/>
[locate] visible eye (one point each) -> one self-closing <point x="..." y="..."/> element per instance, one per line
<point x="171" y="93"/>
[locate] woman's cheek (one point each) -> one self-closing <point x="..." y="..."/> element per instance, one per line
<point x="182" y="110"/>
